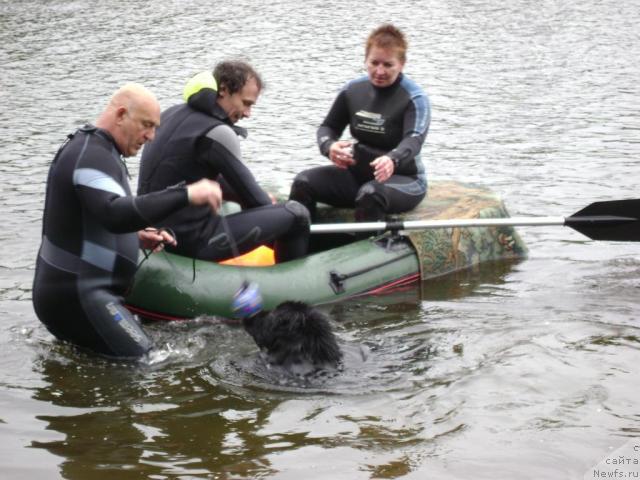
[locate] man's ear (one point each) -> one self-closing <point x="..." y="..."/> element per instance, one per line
<point x="121" y="112"/>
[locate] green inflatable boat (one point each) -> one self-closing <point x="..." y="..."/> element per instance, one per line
<point x="338" y="266"/>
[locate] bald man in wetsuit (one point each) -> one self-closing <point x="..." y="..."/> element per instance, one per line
<point x="93" y="228"/>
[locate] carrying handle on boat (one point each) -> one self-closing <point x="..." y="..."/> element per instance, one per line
<point x="615" y="220"/>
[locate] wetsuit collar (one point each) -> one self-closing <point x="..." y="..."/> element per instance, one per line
<point x="205" y="101"/>
<point x="88" y="128"/>
<point x="222" y="115"/>
<point x="107" y="136"/>
<point x="390" y="87"/>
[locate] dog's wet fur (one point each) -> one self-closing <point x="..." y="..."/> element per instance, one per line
<point x="296" y="337"/>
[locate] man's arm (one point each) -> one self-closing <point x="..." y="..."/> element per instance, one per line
<point x="223" y="156"/>
<point x="106" y="200"/>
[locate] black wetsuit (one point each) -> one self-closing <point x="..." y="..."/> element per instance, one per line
<point x="391" y="121"/>
<point x="197" y="140"/>
<point x="89" y="249"/>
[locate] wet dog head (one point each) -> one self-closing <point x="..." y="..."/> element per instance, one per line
<point x="295" y="336"/>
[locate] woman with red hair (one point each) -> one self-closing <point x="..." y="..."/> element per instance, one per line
<point x="388" y="114"/>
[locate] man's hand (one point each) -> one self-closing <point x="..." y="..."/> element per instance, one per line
<point x="154" y="239"/>
<point x="205" y="192"/>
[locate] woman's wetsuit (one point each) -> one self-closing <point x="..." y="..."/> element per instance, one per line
<point x="197" y="140"/>
<point x="391" y="121"/>
<point x="89" y="249"/>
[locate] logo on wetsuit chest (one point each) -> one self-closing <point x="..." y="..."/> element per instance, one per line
<point x="370" y="122"/>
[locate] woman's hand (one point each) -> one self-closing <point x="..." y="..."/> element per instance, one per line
<point x="154" y="239"/>
<point x="383" y="168"/>
<point x="341" y="154"/>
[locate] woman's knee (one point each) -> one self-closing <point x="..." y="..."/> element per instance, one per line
<point x="371" y="204"/>
<point x="371" y="193"/>
<point x="301" y="188"/>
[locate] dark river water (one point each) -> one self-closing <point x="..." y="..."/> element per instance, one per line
<point x="526" y="370"/>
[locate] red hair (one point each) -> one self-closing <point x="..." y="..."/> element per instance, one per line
<point x="387" y="36"/>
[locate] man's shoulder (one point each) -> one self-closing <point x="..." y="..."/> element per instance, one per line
<point x="222" y="129"/>
<point x="87" y="140"/>
<point x="226" y="136"/>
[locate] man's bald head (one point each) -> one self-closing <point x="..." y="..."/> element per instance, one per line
<point x="131" y="117"/>
<point x="132" y="95"/>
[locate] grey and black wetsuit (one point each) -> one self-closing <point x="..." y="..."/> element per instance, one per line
<point x="391" y="121"/>
<point x="90" y="247"/>
<point x="197" y="140"/>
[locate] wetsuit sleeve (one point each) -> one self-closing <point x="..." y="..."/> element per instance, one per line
<point x="227" y="191"/>
<point x="417" y="118"/>
<point x="223" y="156"/>
<point x="334" y="123"/>
<point x="107" y="201"/>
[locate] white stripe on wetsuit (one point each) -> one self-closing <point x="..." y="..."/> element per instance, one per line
<point x="92" y="178"/>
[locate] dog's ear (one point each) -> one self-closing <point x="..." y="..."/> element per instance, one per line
<point x="321" y="343"/>
<point x="294" y="334"/>
<point x="248" y="323"/>
<point x="253" y="327"/>
<point x="325" y="347"/>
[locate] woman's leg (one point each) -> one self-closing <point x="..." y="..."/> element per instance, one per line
<point x="328" y="184"/>
<point x="398" y="194"/>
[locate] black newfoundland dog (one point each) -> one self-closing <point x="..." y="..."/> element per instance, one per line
<point x="296" y="337"/>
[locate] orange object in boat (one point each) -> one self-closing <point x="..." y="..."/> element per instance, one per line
<point x="262" y="256"/>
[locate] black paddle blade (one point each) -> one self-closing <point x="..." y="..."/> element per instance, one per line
<point x="616" y="220"/>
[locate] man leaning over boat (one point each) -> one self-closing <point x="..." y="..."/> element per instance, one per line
<point x="91" y="228"/>
<point x="199" y="139"/>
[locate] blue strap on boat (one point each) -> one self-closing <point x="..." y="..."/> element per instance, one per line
<point x="247" y="301"/>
